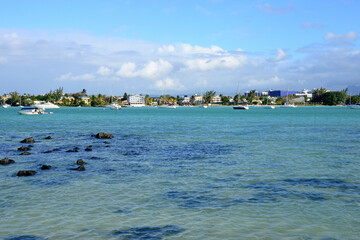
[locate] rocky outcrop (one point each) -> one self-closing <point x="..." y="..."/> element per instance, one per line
<point x="28" y="140"/>
<point x="80" y="162"/>
<point x="48" y="137"/>
<point x="6" y="161"/>
<point x="88" y="149"/>
<point x="26" y="173"/>
<point x="23" y="148"/>
<point x="48" y="151"/>
<point x="80" y="168"/>
<point x="45" y="167"/>
<point x="56" y="149"/>
<point x="102" y="135"/>
<point x="25" y="153"/>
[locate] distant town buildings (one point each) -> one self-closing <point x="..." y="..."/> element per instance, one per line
<point x="136" y="100"/>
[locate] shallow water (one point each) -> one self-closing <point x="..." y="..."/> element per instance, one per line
<point x="185" y="173"/>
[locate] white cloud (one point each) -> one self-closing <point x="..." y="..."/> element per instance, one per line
<point x="312" y="25"/>
<point x="151" y="70"/>
<point x="169" y="84"/>
<point x="270" y="9"/>
<point x="281" y="55"/>
<point x="82" y="77"/>
<point x="348" y="36"/>
<point x="187" y="49"/>
<point x="104" y="71"/>
<point x="204" y="64"/>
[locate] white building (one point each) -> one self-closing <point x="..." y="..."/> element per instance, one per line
<point x="216" y="100"/>
<point x="136" y="100"/>
<point x="198" y="98"/>
<point x="305" y="93"/>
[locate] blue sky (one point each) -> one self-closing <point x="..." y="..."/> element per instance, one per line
<point x="178" y="46"/>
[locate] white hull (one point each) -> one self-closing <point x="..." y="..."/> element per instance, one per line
<point x="5" y="106"/>
<point x="203" y="106"/>
<point x="288" y="106"/>
<point x="167" y="107"/>
<point x="354" y="106"/>
<point x="241" y="107"/>
<point x="269" y="107"/>
<point x="137" y="105"/>
<point x="46" y="106"/>
<point x="114" y="106"/>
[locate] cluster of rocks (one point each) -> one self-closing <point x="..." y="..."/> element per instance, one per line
<point x="25" y="151"/>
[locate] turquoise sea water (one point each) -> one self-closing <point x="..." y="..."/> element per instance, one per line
<point x="185" y="173"/>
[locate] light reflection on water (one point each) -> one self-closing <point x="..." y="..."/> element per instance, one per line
<point x="185" y="173"/>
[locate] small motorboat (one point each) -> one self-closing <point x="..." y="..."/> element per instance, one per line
<point x="32" y="111"/>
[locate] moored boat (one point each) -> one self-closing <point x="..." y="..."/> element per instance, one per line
<point x="45" y="105"/>
<point x="32" y="111"/>
<point x="354" y="106"/>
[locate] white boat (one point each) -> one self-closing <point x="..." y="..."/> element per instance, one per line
<point x="114" y="106"/>
<point x="167" y="106"/>
<point x="240" y="106"/>
<point x="203" y="106"/>
<point x="288" y="105"/>
<point x="5" y="105"/>
<point x="269" y="107"/>
<point x="32" y="111"/>
<point x="45" y="105"/>
<point x="354" y="106"/>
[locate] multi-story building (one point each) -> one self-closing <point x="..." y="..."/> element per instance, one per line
<point x="85" y="99"/>
<point x="136" y="100"/>
<point x="198" y="98"/>
<point x="216" y="100"/>
<point x="281" y="93"/>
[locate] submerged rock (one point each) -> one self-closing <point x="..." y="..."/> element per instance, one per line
<point x="6" y="161"/>
<point x="88" y="149"/>
<point x="80" y="162"/>
<point x="28" y="140"/>
<point x="74" y="150"/>
<point x="56" y="149"/>
<point x="25" y="153"/>
<point x="24" y="237"/>
<point x="102" y="135"/>
<point x="26" y="173"/>
<point x="149" y="232"/>
<point x="23" y="148"/>
<point x="48" y="137"/>
<point x="45" y="167"/>
<point x="48" y="151"/>
<point x="80" y="168"/>
<point x="107" y="146"/>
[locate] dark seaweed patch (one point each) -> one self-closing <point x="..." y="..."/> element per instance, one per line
<point x="25" y="237"/>
<point x="149" y="232"/>
<point x="267" y="192"/>
<point x="323" y="183"/>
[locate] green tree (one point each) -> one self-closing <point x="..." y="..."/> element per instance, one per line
<point x="14" y="98"/>
<point x="208" y="96"/>
<point x="318" y="95"/>
<point x="225" y="100"/>
<point x="334" y="98"/>
<point x="251" y="96"/>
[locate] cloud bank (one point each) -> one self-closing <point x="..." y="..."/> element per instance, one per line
<point x="48" y="60"/>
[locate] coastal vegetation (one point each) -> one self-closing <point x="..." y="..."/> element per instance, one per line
<point x="320" y="96"/>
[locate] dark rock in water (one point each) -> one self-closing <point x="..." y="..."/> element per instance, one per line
<point x="6" y="161"/>
<point x="30" y="146"/>
<point x="107" y="146"/>
<point x="24" y="237"/>
<point x="48" y="137"/>
<point x="88" y="149"/>
<point x="94" y="157"/>
<point x="56" y="149"/>
<point x="102" y="135"/>
<point x="48" y="151"/>
<point x="149" y="232"/>
<point x="23" y="148"/>
<point x="25" y="153"/>
<point x="80" y="162"/>
<point x="89" y="146"/>
<point x="80" y="168"/>
<point x="74" y="150"/>
<point x="26" y="173"/>
<point x="106" y="142"/>
<point x="45" y="167"/>
<point x="28" y="140"/>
